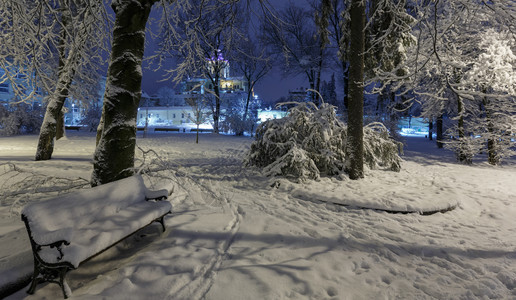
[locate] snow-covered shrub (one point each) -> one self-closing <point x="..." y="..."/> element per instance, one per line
<point x="232" y="123"/>
<point x="380" y="151"/>
<point x="20" y="118"/>
<point x="311" y="141"/>
<point x="91" y="117"/>
<point x="295" y="164"/>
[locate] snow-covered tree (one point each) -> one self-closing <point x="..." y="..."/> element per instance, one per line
<point x="252" y="62"/>
<point x="202" y="37"/>
<point x="20" y="118"/>
<point x="49" y="44"/>
<point x="296" y="44"/>
<point x="491" y="81"/>
<point x="450" y="47"/>
<point x="166" y="97"/>
<point x="91" y="116"/>
<point x="199" y="114"/>
<point x="310" y="142"/>
<point x="329" y="93"/>
<point x="355" y="134"/>
<point x="114" y="154"/>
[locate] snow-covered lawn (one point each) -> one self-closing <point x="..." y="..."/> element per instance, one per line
<point x="235" y="234"/>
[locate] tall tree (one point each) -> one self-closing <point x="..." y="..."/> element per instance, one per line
<point x="449" y="35"/>
<point x="44" y="47"/>
<point x="491" y="81"/>
<point x="201" y="37"/>
<point x="339" y="22"/>
<point x="252" y="62"/>
<point x="322" y="20"/>
<point x="355" y="144"/>
<point x="78" y="21"/>
<point x="295" y="44"/>
<point x="114" y="154"/>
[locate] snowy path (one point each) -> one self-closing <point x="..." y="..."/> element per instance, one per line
<point x="234" y="236"/>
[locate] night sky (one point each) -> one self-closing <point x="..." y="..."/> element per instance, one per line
<point x="270" y="88"/>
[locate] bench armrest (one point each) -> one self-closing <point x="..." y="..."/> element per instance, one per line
<point x="56" y="245"/>
<point x="53" y="238"/>
<point x="156" y="195"/>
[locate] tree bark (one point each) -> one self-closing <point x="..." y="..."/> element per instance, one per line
<point x="491" y="141"/>
<point x="430" y="129"/>
<point x="317" y="101"/>
<point x="216" y="112"/>
<point x="114" y="154"/>
<point x="355" y="143"/>
<point x="462" y="155"/>
<point x="53" y="113"/>
<point x="439" y="132"/>
<point x="60" y="130"/>
<point x="346" y="85"/>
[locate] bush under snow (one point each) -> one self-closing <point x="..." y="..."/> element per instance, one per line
<point x="310" y="142"/>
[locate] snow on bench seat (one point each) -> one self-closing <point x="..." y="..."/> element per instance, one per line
<point x="102" y="233"/>
<point x="69" y="229"/>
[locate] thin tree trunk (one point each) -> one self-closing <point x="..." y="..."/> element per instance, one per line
<point x="463" y="151"/>
<point x="355" y="143"/>
<point x="55" y="105"/>
<point x="197" y="135"/>
<point x="216" y="113"/>
<point x="114" y="155"/>
<point x="345" y="84"/>
<point x="318" y="76"/>
<point x="246" y="110"/>
<point x="439" y="132"/>
<point x="60" y="129"/>
<point x="430" y="129"/>
<point x="53" y="122"/>
<point x="491" y="142"/>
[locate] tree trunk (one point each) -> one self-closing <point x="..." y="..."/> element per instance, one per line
<point x="53" y="122"/>
<point x="430" y="129"/>
<point x="60" y="130"/>
<point x="491" y="142"/>
<point x="54" y="111"/>
<point x="50" y="121"/>
<point x="355" y="147"/>
<point x="246" y="110"/>
<point x="99" y="128"/>
<point x="463" y="151"/>
<point x="318" y="76"/>
<point x="114" y="155"/>
<point x="197" y="135"/>
<point x="216" y="112"/>
<point x="439" y="132"/>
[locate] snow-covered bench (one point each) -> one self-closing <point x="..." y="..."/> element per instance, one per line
<point x="70" y="229"/>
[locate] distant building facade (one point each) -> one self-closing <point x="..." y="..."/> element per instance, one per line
<point x="157" y="113"/>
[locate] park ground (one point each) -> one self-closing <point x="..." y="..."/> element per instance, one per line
<point x="235" y="234"/>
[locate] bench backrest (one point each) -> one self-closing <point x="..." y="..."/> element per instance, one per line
<point x="82" y="207"/>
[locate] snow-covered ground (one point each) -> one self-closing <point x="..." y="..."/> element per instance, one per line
<point x="235" y="234"/>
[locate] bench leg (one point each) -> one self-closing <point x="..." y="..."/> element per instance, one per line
<point x="35" y="280"/>
<point x="54" y="275"/>
<point x="162" y="222"/>
<point x="62" y="283"/>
